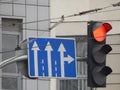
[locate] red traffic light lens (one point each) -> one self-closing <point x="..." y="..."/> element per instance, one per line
<point x="100" y="32"/>
<point x="107" y="26"/>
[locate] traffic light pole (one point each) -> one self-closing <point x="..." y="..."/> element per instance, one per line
<point x="12" y="60"/>
<point x="82" y="58"/>
<point x="23" y="58"/>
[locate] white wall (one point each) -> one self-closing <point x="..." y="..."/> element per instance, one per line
<point x="71" y="7"/>
<point x="65" y="7"/>
<point x="111" y="13"/>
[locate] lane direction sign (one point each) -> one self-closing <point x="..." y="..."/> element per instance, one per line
<point x="52" y="57"/>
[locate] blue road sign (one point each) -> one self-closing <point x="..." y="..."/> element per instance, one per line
<point x="51" y="57"/>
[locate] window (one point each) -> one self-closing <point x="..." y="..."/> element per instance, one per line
<point x="81" y="82"/>
<point x="10" y="38"/>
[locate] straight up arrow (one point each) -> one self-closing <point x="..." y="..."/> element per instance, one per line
<point x="69" y="59"/>
<point x="61" y="49"/>
<point x="35" y="48"/>
<point x="49" y="49"/>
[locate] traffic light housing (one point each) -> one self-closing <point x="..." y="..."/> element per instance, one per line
<point x="97" y="51"/>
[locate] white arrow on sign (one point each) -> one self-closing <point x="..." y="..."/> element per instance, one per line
<point x="49" y="50"/>
<point x="69" y="59"/>
<point x="35" y="48"/>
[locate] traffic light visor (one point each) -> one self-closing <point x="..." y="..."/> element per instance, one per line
<point x="100" y="32"/>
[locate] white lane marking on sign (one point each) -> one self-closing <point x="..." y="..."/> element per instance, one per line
<point x="69" y="59"/>
<point x="61" y="49"/>
<point x="52" y="60"/>
<point x="35" y="48"/>
<point x="42" y="61"/>
<point x="49" y="50"/>
<point x="43" y="68"/>
<point x="56" y="68"/>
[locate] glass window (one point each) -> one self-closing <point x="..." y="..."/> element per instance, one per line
<point x="10" y="39"/>
<point x="9" y="43"/>
<point x="81" y="82"/>
<point x="9" y="83"/>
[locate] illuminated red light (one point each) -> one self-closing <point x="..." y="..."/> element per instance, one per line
<point x="107" y="26"/>
<point x="100" y="32"/>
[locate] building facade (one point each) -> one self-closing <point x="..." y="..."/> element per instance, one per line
<point x="76" y="27"/>
<point x="20" y="19"/>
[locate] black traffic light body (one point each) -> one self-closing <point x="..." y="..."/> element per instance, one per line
<point x="97" y="50"/>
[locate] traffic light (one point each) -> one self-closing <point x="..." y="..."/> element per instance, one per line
<point x="97" y="51"/>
